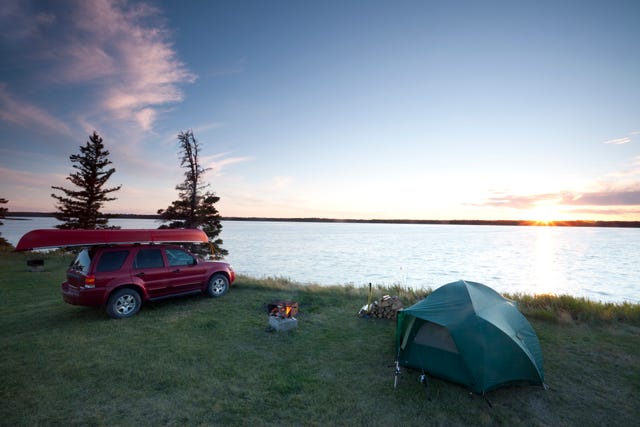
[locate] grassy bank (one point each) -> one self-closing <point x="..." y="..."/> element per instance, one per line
<point x="197" y="361"/>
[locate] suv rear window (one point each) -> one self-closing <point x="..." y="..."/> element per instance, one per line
<point x="111" y="261"/>
<point x="82" y="261"/>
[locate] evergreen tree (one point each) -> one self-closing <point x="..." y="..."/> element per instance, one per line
<point x="3" y="212"/>
<point x="80" y="208"/>
<point x="195" y="207"/>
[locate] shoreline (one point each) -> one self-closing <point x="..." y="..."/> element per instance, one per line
<point x="511" y="223"/>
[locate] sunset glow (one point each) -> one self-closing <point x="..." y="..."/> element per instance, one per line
<point x="545" y="215"/>
<point x="363" y="110"/>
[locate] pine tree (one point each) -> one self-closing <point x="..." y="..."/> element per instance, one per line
<point x="195" y="207"/>
<point x="3" y="212"/>
<point x="81" y="208"/>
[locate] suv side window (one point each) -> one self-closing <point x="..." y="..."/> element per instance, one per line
<point x="179" y="257"/>
<point x="149" y="258"/>
<point x="111" y="261"/>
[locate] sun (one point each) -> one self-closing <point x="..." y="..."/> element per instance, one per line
<point x="544" y="214"/>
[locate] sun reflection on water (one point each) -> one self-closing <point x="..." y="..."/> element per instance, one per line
<point x="546" y="277"/>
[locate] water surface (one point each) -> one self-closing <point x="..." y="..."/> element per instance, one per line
<point x="602" y="264"/>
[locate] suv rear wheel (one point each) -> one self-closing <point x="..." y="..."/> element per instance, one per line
<point x="123" y="303"/>
<point x="218" y="285"/>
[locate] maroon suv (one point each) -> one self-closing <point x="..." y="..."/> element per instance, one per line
<point x="121" y="277"/>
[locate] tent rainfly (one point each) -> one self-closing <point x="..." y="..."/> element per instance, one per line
<point x="467" y="333"/>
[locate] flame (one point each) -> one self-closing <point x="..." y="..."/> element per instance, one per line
<point x="285" y="309"/>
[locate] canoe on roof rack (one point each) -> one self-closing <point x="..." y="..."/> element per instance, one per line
<point x="54" y="238"/>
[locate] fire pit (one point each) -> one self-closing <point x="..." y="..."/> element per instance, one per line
<point x="282" y="315"/>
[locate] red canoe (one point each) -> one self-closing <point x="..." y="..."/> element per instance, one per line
<point x="54" y="238"/>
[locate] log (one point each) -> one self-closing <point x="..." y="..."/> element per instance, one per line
<point x="386" y="307"/>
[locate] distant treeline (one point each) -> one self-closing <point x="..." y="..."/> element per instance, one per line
<point x="580" y="223"/>
<point x="52" y="214"/>
<point x="628" y="224"/>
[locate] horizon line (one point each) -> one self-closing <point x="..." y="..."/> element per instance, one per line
<point x="507" y="222"/>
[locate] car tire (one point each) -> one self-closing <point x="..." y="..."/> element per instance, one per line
<point x="123" y="303"/>
<point x="218" y="285"/>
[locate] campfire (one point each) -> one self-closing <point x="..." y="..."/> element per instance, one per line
<point x="282" y="315"/>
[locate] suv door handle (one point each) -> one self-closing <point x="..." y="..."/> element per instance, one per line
<point x="177" y="270"/>
<point x="140" y="274"/>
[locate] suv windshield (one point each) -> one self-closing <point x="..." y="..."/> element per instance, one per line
<point x="82" y="261"/>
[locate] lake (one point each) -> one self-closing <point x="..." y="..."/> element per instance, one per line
<point x="601" y="264"/>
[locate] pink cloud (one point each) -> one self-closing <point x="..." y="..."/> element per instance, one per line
<point x="24" y="180"/>
<point x="120" y="49"/>
<point x="623" y="140"/>
<point x="140" y="64"/>
<point x="624" y="197"/>
<point x="611" y="197"/>
<point x="218" y="162"/>
<point x="619" y="141"/>
<point x="519" y="201"/>
<point x="27" y="115"/>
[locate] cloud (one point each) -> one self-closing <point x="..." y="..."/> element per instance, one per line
<point x="24" y="179"/>
<point x="613" y="197"/>
<point x="206" y="126"/>
<point x="27" y="115"/>
<point x="119" y="51"/>
<point x="623" y="140"/>
<point x="616" y="189"/>
<point x="217" y="162"/>
<point x="132" y="50"/>
<point x="625" y="197"/>
<point x="619" y="141"/>
<point x="633" y="214"/>
<point x="19" y="23"/>
<point x="146" y="117"/>
<point x="519" y="201"/>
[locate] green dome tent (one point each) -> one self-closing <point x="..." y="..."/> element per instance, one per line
<point x="467" y="333"/>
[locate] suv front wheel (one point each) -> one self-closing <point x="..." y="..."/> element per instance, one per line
<point x="218" y="285"/>
<point x="123" y="303"/>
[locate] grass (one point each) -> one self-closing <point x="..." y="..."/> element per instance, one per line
<point x="200" y="361"/>
<point x="565" y="308"/>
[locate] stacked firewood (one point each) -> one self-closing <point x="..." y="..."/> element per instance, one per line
<point x="385" y="308"/>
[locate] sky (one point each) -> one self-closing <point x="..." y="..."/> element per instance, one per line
<point x="491" y="110"/>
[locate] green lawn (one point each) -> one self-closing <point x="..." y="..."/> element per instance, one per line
<point x="201" y="361"/>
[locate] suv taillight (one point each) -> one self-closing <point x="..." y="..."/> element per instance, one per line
<point x="90" y="282"/>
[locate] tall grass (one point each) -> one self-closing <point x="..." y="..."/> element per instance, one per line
<point x="566" y="308"/>
<point x="555" y="308"/>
